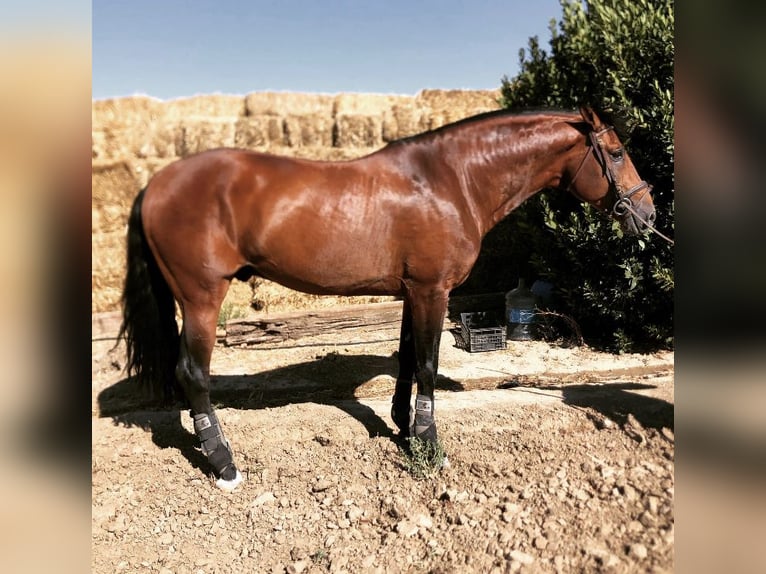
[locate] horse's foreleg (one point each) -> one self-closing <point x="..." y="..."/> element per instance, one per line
<point x="193" y="373"/>
<point x="400" y="407"/>
<point x="428" y="310"/>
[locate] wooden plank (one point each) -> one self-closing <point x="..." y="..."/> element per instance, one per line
<point x="281" y="327"/>
<point x="277" y="328"/>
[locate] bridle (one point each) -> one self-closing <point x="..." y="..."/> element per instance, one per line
<point x="623" y="202"/>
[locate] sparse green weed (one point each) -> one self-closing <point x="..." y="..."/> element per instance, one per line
<point x="424" y="458"/>
<point x="229" y="311"/>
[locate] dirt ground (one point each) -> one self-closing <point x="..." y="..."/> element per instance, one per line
<point x="562" y="460"/>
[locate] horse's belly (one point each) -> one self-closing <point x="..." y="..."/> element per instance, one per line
<point x="355" y="271"/>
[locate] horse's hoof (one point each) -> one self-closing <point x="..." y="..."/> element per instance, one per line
<point x="229" y="485"/>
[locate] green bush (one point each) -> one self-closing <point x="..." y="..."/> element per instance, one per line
<point x="616" y="55"/>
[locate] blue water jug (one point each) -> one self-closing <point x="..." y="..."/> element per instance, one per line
<point x="520" y="312"/>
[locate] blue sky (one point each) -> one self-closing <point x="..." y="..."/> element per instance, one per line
<point x="175" y="48"/>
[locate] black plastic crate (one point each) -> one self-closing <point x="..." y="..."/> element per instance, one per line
<point x="481" y="331"/>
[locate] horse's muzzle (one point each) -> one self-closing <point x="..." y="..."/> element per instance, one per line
<point x="636" y="218"/>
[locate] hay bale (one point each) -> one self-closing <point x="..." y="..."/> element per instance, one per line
<point x="205" y="106"/>
<point x="446" y="106"/>
<point x="114" y="186"/>
<point x="201" y="135"/>
<point x="161" y="140"/>
<point x="106" y="144"/>
<point x="137" y="140"/>
<point x="284" y="103"/>
<point x="108" y="255"/>
<point x="363" y="104"/>
<point x="308" y="130"/>
<point x="128" y="110"/>
<point x="403" y="120"/>
<point x="357" y="130"/>
<point x="145" y="169"/>
<point x="254" y="132"/>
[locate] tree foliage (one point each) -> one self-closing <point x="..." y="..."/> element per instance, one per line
<point x="616" y="55"/>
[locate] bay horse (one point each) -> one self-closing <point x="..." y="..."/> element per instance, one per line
<point x="407" y="220"/>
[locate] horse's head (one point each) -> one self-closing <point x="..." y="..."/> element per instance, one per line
<point x="604" y="176"/>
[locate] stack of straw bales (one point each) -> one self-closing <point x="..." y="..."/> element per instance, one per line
<point x="136" y="136"/>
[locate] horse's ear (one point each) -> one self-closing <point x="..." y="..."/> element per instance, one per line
<point x="590" y="116"/>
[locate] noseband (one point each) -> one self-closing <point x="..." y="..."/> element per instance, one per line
<point x="623" y="203"/>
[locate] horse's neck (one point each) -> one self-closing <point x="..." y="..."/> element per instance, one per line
<point x="510" y="165"/>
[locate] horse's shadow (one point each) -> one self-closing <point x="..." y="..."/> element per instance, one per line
<point x="616" y="401"/>
<point x="331" y="379"/>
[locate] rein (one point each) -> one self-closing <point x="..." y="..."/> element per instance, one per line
<point x="624" y="203"/>
<point x="649" y="226"/>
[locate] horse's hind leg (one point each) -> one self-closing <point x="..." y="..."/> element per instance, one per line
<point x="193" y="373"/>
<point x="400" y="407"/>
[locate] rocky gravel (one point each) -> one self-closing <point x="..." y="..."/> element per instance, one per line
<point x="544" y="476"/>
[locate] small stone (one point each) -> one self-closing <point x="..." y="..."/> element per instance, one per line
<point x="166" y="539"/>
<point x="298" y="553"/>
<point x="604" y="423"/>
<point x="297" y="567"/>
<point x="448" y="494"/>
<point x="263" y="498"/>
<point x="581" y="494"/>
<point x="424" y="521"/>
<point x="637" y="551"/>
<point x="629" y="492"/>
<point x="406" y="528"/>
<point x="635" y="526"/>
<point x="462" y="496"/>
<point x="323" y="440"/>
<point x="522" y="557"/>
<point x="321" y="486"/>
<point x="526" y="494"/>
<point x="354" y="513"/>
<point x="540" y="542"/>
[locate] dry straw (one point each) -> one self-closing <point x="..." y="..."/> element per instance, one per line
<point x="281" y="103"/>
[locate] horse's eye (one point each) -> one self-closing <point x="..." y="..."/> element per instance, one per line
<point x="617" y="154"/>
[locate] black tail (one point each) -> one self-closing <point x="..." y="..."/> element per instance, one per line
<point x="148" y="315"/>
